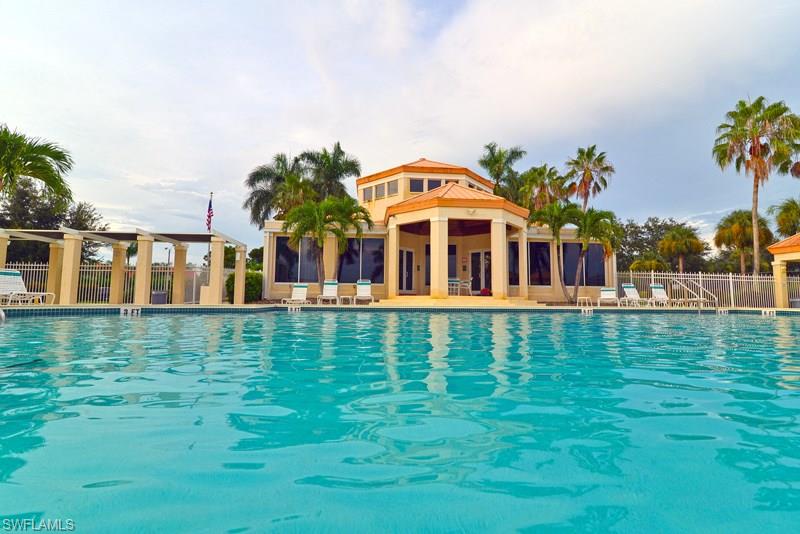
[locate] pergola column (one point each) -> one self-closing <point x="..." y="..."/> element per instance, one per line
<point x="439" y="257"/>
<point x="70" y="269"/>
<point x="266" y="265"/>
<point x="781" y="289"/>
<point x="4" y="239"/>
<point x="330" y="254"/>
<point x="239" y="274"/>
<point x="499" y="259"/>
<point x="392" y="260"/>
<point x="523" y="262"/>
<point x="55" y="263"/>
<point x="179" y="275"/>
<point x="116" y="293"/>
<point x="216" y="275"/>
<point x="144" y="268"/>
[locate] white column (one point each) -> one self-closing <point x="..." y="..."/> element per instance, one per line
<point x="499" y="259"/>
<point x="391" y="266"/>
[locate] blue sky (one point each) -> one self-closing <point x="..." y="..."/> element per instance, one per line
<point x="162" y="102"/>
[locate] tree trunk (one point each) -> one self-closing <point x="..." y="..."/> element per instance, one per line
<point x="756" y="244"/>
<point x="578" y="274"/>
<point x="742" y="262"/>
<point x="560" y="264"/>
<point x="320" y="271"/>
<point x="585" y="203"/>
<point x="680" y="263"/>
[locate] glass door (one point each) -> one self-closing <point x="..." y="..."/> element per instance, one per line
<point x="406" y="271"/>
<point x="480" y="269"/>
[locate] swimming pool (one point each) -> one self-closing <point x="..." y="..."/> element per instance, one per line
<point x="387" y="421"/>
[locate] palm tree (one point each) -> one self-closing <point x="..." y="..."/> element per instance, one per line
<point x="589" y="171"/>
<point x="498" y="162"/>
<point x="541" y="186"/>
<point x="595" y="225"/>
<point x="317" y="220"/>
<point x="735" y="232"/>
<point x="264" y="182"/>
<point x="556" y="216"/>
<point x="512" y="188"/>
<point x="328" y="169"/>
<point x="679" y="242"/>
<point x="651" y="263"/>
<point x="23" y="156"/>
<point x="292" y="192"/>
<point x="759" y="138"/>
<point x="787" y="217"/>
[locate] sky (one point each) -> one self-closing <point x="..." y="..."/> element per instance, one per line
<point x="162" y="102"/>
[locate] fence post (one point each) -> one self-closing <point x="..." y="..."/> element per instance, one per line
<point x="730" y="285"/>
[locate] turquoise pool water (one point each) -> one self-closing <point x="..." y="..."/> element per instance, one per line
<point x="386" y="422"/>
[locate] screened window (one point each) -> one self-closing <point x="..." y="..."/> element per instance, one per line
<point x="287" y="261"/>
<point x="362" y="259"/>
<point x="593" y="264"/>
<point x="391" y="188"/>
<point x="452" y="260"/>
<point x="539" y="264"/>
<point x="433" y="184"/>
<point x="513" y="263"/>
<point x="367" y="194"/>
<point x="416" y="185"/>
<point x="380" y="191"/>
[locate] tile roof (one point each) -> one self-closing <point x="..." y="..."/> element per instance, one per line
<point x="428" y="166"/>
<point x="790" y="244"/>
<point x="455" y="195"/>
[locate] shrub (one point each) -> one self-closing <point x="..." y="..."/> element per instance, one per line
<point x="252" y="286"/>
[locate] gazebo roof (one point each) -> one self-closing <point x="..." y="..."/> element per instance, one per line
<point x="426" y="166"/>
<point x="788" y="245"/>
<point x="455" y="195"/>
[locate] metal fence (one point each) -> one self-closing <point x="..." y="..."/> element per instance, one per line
<point x="731" y="290"/>
<point x="94" y="282"/>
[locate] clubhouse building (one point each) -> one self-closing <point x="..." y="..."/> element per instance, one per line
<point x="439" y="231"/>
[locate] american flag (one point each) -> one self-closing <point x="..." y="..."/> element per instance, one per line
<point x="209" y="213"/>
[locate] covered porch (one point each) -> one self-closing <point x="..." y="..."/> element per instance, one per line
<point x="456" y="241"/>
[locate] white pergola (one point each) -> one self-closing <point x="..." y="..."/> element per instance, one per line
<point x="65" y="255"/>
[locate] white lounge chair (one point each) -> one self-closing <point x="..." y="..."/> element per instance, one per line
<point x="660" y="297"/>
<point x="631" y="297"/>
<point x="299" y="294"/>
<point x="13" y="290"/>
<point x="363" y="291"/>
<point x="608" y="294"/>
<point x="330" y="292"/>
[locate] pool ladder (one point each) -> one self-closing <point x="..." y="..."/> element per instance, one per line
<point x="130" y="311"/>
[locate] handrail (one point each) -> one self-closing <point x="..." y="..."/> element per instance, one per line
<point x="687" y="288"/>
<point x="707" y="292"/>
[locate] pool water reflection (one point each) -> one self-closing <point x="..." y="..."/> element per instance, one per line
<point x="402" y="421"/>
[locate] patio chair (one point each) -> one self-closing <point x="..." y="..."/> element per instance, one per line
<point x="660" y="297"/>
<point x="631" y="297"/>
<point x="299" y="293"/>
<point x="330" y="292"/>
<point x="455" y="286"/>
<point x="363" y="291"/>
<point x="13" y="290"/>
<point x="608" y="294"/>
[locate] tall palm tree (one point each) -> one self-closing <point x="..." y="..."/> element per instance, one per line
<point x="679" y="242"/>
<point x="735" y="232"/>
<point x="542" y="185"/>
<point x="328" y="169"/>
<point x="264" y="182"/>
<point x="595" y="225"/>
<point x="498" y="162"/>
<point x="292" y="192"/>
<point x="512" y="188"/>
<point x="589" y="171"/>
<point x="556" y="216"/>
<point x="23" y="156"/>
<point x="787" y="217"/>
<point x="331" y="216"/>
<point x="759" y="138"/>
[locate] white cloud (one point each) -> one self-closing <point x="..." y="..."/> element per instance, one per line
<point x="162" y="103"/>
